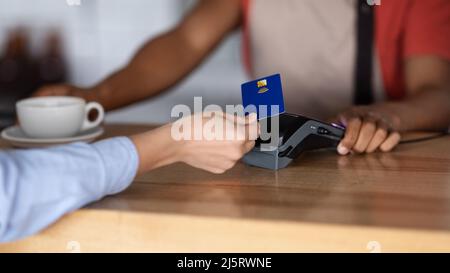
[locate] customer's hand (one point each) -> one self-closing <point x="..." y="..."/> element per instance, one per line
<point x="221" y="140"/>
<point x="369" y="128"/>
<point x="219" y="149"/>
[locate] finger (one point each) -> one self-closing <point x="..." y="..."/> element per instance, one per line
<point x="249" y="120"/>
<point x="243" y="120"/>
<point x="390" y="142"/>
<point x="233" y="117"/>
<point x="351" y="136"/>
<point x="365" y="136"/>
<point x="252" y="118"/>
<point x="42" y="93"/>
<point x="248" y="146"/>
<point x="211" y="114"/>
<point x="247" y="127"/>
<point x="377" y="140"/>
<point x="252" y="131"/>
<point x="51" y="91"/>
<point x="213" y="170"/>
<point x="241" y="133"/>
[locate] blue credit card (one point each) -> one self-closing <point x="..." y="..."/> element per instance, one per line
<point x="265" y="96"/>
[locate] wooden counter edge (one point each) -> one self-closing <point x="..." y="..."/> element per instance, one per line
<point x="90" y="230"/>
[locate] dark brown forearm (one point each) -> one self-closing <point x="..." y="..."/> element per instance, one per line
<point x="166" y="60"/>
<point x="426" y="110"/>
<point x="428" y="104"/>
<point x="157" y="66"/>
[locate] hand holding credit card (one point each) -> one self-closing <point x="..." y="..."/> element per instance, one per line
<point x="265" y="94"/>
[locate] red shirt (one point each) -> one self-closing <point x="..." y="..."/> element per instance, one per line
<point x="404" y="28"/>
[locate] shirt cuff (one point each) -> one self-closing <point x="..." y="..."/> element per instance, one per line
<point x="121" y="162"/>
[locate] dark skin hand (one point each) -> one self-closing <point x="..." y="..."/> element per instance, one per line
<point x="166" y="60"/>
<point x="427" y="107"/>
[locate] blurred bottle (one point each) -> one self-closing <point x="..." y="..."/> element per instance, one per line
<point x="51" y="64"/>
<point x="17" y="74"/>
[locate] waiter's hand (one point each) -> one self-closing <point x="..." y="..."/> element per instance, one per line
<point x="55" y="90"/>
<point x="65" y="90"/>
<point x="369" y="128"/>
<point x="215" y="152"/>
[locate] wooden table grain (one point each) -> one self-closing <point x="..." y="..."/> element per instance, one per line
<point x="386" y="202"/>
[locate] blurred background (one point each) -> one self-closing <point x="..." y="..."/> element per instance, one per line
<point x="82" y="41"/>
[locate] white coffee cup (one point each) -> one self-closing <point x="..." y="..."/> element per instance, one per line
<point x="56" y="117"/>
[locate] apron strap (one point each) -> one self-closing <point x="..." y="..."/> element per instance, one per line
<point x="364" y="54"/>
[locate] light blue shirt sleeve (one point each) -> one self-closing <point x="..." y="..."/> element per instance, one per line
<point x="39" y="186"/>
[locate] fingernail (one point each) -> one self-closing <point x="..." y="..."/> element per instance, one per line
<point x="252" y="117"/>
<point x="342" y="150"/>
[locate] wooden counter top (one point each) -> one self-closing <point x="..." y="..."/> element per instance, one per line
<point x="397" y="201"/>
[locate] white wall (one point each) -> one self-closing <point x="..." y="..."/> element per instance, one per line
<point x="101" y="35"/>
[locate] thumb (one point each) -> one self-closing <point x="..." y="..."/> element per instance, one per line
<point x="252" y="118"/>
<point x="249" y="119"/>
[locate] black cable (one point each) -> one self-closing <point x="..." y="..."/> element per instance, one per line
<point x="420" y="139"/>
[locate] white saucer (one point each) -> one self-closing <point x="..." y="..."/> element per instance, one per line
<point x="16" y="137"/>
